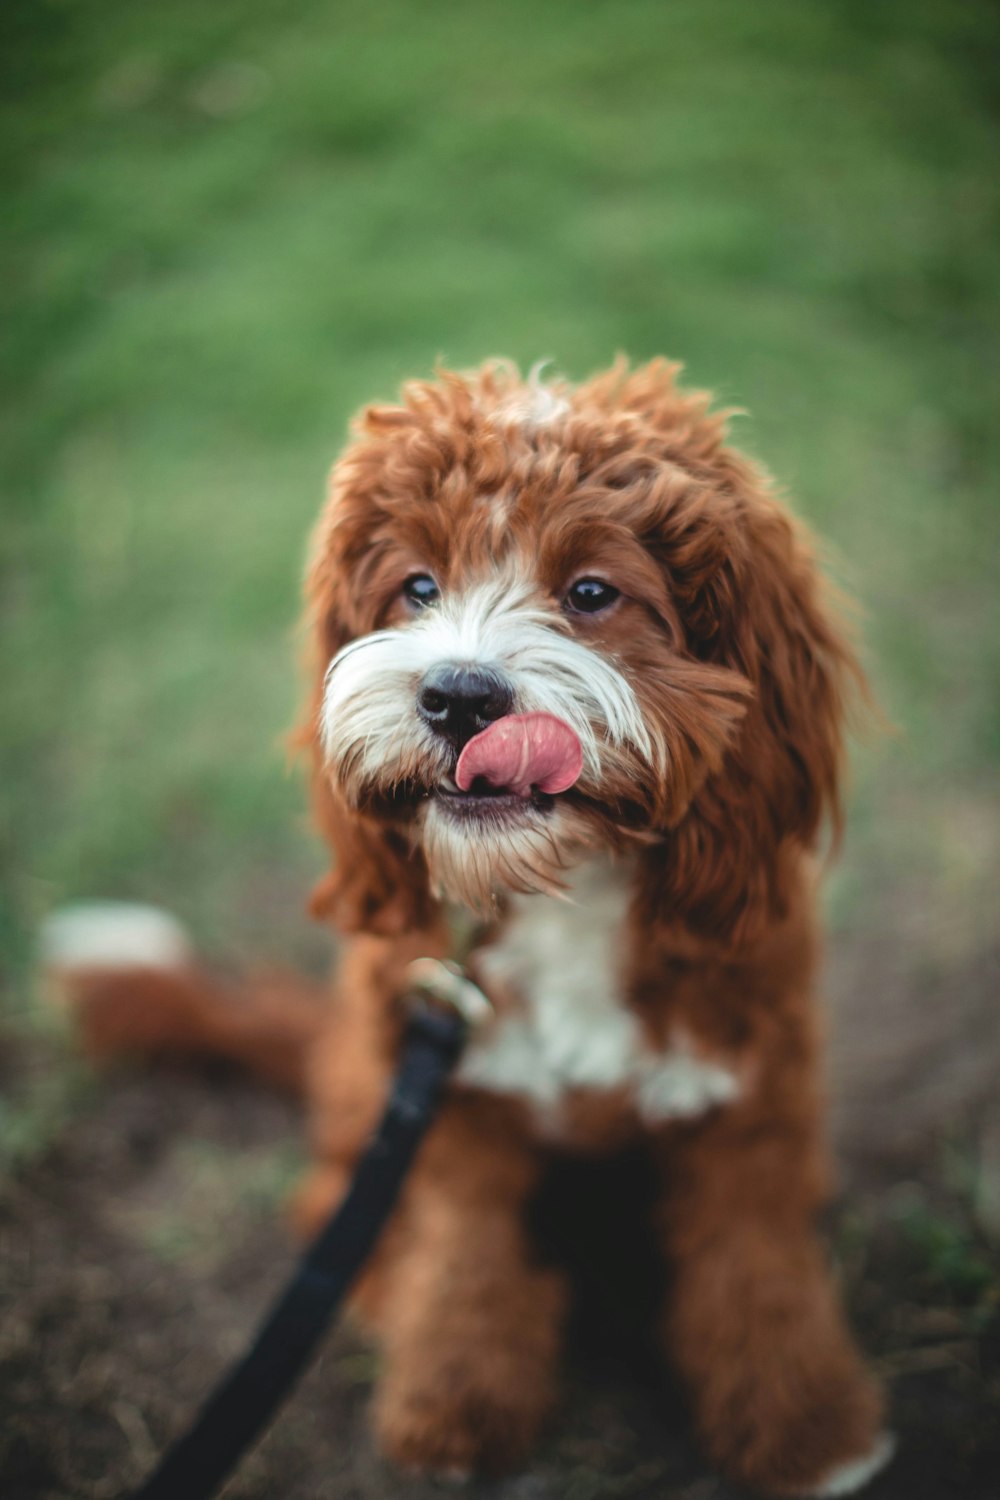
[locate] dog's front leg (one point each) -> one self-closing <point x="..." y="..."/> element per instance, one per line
<point x="471" y="1324"/>
<point x="780" y="1395"/>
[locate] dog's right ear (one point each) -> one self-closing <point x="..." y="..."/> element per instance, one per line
<point x="377" y="883"/>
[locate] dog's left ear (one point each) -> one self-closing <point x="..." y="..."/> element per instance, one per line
<point x="755" y="602"/>
<point x="377" y="883"/>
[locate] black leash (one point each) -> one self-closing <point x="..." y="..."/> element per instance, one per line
<point x="247" y="1397"/>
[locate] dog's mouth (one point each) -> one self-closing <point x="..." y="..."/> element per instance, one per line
<point x="481" y="803"/>
<point x="519" y="764"/>
<point x="482" y="800"/>
<point x="513" y="770"/>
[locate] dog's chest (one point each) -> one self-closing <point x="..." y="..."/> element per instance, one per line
<point x="561" y="965"/>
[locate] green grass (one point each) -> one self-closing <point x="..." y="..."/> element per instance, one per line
<point x="226" y="225"/>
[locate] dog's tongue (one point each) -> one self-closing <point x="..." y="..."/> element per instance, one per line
<point x="522" y="751"/>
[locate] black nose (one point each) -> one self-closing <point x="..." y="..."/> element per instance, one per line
<point x="458" y="701"/>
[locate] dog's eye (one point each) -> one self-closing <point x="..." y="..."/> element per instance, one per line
<point x="590" y="595"/>
<point x="421" y="590"/>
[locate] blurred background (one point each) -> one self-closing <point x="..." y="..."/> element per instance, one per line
<point x="224" y="227"/>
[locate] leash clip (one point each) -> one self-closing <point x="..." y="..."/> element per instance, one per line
<point x="438" y="981"/>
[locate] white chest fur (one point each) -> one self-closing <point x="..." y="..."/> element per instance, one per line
<point x="563" y="961"/>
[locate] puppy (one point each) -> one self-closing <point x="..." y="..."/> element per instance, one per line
<point x="578" y="690"/>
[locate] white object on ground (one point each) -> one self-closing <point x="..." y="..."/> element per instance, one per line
<point x="113" y="934"/>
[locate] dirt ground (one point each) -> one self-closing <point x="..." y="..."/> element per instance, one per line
<point x="140" y="1250"/>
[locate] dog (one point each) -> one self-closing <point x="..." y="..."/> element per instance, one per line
<point x="578" y="687"/>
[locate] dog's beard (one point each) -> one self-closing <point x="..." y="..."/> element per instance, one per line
<point x="471" y="862"/>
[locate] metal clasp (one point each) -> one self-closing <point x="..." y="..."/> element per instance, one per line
<point x="442" y="982"/>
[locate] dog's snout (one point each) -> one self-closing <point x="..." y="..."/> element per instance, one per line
<point x="458" y="700"/>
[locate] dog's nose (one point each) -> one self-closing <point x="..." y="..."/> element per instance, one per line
<point x="458" y="701"/>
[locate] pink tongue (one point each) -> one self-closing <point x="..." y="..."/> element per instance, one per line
<point x="522" y="751"/>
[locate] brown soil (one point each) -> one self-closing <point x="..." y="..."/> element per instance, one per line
<point x="140" y="1250"/>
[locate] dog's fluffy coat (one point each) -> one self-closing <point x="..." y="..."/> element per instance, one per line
<point x="649" y="937"/>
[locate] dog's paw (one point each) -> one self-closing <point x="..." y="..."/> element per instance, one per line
<point x="454" y="1434"/>
<point x="817" y="1450"/>
<point x="848" y="1478"/>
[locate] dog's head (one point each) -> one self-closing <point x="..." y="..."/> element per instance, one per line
<point x="552" y="619"/>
